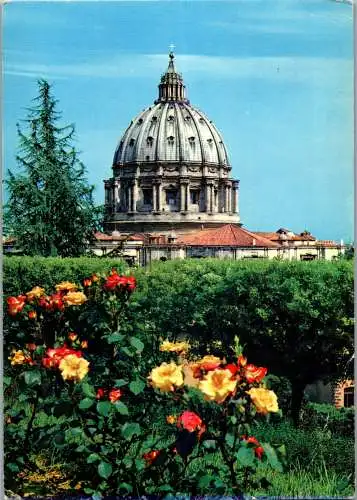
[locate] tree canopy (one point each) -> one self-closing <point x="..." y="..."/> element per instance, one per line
<point x="50" y="210"/>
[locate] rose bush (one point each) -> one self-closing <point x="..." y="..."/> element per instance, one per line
<point x="122" y="418"/>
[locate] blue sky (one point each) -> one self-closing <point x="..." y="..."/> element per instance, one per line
<point x="275" y="76"/>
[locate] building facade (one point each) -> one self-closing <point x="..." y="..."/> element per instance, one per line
<point x="171" y="194"/>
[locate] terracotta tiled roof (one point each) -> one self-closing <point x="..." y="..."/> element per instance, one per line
<point x="295" y="237"/>
<point x="138" y="237"/>
<point x="227" y="235"/>
<point x="102" y="236"/>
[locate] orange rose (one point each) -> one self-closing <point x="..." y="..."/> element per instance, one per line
<point x="254" y="373"/>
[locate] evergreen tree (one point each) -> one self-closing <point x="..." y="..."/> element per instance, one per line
<point x="50" y="208"/>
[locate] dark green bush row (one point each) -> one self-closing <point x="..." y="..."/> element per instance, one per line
<point x="312" y="448"/>
<point x="20" y="274"/>
<point x="327" y="417"/>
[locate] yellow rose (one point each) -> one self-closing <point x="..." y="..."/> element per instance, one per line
<point x="166" y="377"/>
<point x="19" y="358"/>
<point x="174" y="346"/>
<point x="217" y="385"/>
<point x="264" y="400"/>
<point x="74" y="298"/>
<point x="171" y="419"/>
<point x="73" y="367"/>
<point x="35" y="293"/>
<point x="66" y="286"/>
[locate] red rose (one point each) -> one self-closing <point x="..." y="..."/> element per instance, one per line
<point x="57" y="302"/>
<point x="254" y="373"/>
<point x="15" y="304"/>
<point x="45" y="303"/>
<point x="190" y="421"/>
<point x="114" y="395"/>
<point x="151" y="456"/>
<point x="252" y="439"/>
<point x="258" y="450"/>
<point x="31" y="347"/>
<point x="100" y="393"/>
<point x="125" y="282"/>
<point x="32" y="314"/>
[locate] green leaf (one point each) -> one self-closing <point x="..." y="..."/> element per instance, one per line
<point x="210" y="444"/>
<point x="6" y="381"/>
<point x="93" y="457"/>
<point x="115" y="337"/>
<point x="127" y="351"/>
<point x="120" y="382"/>
<point x="137" y="386"/>
<point x="88" y="390"/>
<point x="103" y="408"/>
<point x="140" y="464"/>
<point x="165" y="488"/>
<point x="205" y="481"/>
<point x="33" y="377"/>
<point x="13" y="467"/>
<point x="105" y="469"/>
<point x="245" y="456"/>
<point x="125" y="486"/>
<point x="130" y="429"/>
<point x="137" y="344"/>
<point x="121" y="407"/>
<point x="86" y="403"/>
<point x="272" y="457"/>
<point x="230" y="439"/>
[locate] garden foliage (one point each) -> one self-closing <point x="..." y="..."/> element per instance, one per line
<point x="90" y="408"/>
<point x="296" y="317"/>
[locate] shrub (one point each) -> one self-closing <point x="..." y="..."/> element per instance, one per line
<point x="339" y="421"/>
<point x="22" y="273"/>
<point x="296" y="316"/>
<point x="77" y="383"/>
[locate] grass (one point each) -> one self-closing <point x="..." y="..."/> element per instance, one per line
<point x="299" y="482"/>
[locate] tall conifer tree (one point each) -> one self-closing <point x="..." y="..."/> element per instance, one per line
<point x="50" y="208"/>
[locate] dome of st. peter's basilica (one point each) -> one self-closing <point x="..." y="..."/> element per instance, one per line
<point x="170" y="168"/>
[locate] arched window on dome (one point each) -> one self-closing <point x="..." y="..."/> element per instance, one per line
<point x="149" y="141"/>
<point x="131" y="142"/>
<point x="170" y="118"/>
<point x="171" y="139"/>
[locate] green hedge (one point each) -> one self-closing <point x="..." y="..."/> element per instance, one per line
<point x="20" y="274"/>
<point x="312" y="448"/>
<point x="339" y="421"/>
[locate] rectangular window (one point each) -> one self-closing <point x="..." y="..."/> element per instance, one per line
<point x="171" y="197"/>
<point x="194" y="196"/>
<point x="147" y="196"/>
<point x="348" y="397"/>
